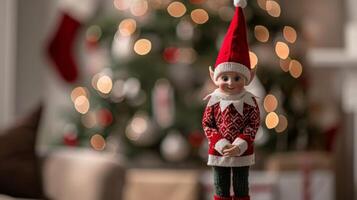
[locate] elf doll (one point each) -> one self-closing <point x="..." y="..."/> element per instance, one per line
<point x="231" y="118"/>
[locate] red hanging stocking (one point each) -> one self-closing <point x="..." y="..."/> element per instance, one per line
<point x="60" y="49"/>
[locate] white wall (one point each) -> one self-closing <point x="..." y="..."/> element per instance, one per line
<point x="7" y="60"/>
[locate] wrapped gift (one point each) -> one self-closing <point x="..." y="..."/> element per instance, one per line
<point x="286" y="161"/>
<point x="162" y="184"/>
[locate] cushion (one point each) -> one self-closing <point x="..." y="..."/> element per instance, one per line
<point x="19" y="169"/>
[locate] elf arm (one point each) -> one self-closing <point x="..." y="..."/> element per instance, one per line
<point x="246" y="139"/>
<point x="214" y="137"/>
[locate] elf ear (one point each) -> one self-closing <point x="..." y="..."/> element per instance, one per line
<point x="252" y="75"/>
<point x="211" y="73"/>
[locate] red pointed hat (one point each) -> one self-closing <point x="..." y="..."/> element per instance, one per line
<point x="234" y="53"/>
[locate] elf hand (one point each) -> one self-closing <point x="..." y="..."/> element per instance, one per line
<point x="231" y="150"/>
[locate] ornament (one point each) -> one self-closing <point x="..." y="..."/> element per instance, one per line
<point x="174" y="147"/>
<point x="131" y="87"/>
<point x="170" y="55"/>
<point x="105" y="117"/>
<point x="196" y="139"/>
<point x="70" y="137"/>
<point x="163" y="103"/>
<point x="182" y="75"/>
<point x="185" y="30"/>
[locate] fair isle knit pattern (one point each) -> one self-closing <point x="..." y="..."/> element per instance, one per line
<point x="224" y="124"/>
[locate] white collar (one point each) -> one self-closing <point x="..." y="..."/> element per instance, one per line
<point x="225" y="100"/>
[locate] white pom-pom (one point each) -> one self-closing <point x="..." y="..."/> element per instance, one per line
<point x="240" y="3"/>
<point x="81" y="10"/>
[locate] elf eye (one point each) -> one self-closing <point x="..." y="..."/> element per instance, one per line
<point x="237" y="78"/>
<point x="225" y="78"/>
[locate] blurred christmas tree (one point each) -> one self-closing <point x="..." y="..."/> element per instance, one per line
<point x="148" y="67"/>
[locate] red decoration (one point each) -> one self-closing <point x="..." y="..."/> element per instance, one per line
<point x="92" y="42"/>
<point x="105" y="117"/>
<point x="196" y="138"/>
<point x="171" y="55"/>
<point x="60" y="48"/>
<point x="70" y="139"/>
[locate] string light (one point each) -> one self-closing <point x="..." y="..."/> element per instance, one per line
<point x="137" y="127"/>
<point x="81" y="104"/>
<point x="283" y="124"/>
<point x="105" y="84"/>
<point x="253" y="59"/>
<point x="273" y="8"/>
<point x="127" y="27"/>
<point x="176" y="9"/>
<point x="272" y="120"/>
<point x="270" y="103"/>
<point x="226" y="13"/>
<point x="261" y="33"/>
<point x="199" y="16"/>
<point x="78" y="91"/>
<point x="97" y="142"/>
<point x="285" y="64"/>
<point x="295" y="68"/>
<point x="89" y="120"/>
<point x="282" y="50"/>
<point x="290" y="34"/>
<point x="142" y="47"/>
<point x="121" y="4"/>
<point x="262" y="4"/>
<point x="139" y="8"/>
<point x="93" y="33"/>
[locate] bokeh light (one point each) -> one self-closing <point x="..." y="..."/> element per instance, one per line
<point x="93" y="33"/>
<point x="139" y="8"/>
<point x="290" y="34"/>
<point x="270" y="103"/>
<point x="199" y="16"/>
<point x="253" y="59"/>
<point x="261" y="33"/>
<point x="97" y="142"/>
<point x="176" y="9"/>
<point x="127" y="27"/>
<point x="285" y="64"/>
<point x="283" y="124"/>
<point x="142" y="47"/>
<point x="273" y="8"/>
<point x="89" y="120"/>
<point x="226" y="13"/>
<point x="81" y="104"/>
<point x="105" y="84"/>
<point x="272" y="120"/>
<point x="121" y="4"/>
<point x="137" y="127"/>
<point x="185" y="30"/>
<point x="262" y="4"/>
<point x="295" y="68"/>
<point x="282" y="50"/>
<point x="78" y="91"/>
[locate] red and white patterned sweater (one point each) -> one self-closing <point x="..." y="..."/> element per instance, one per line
<point x="231" y="119"/>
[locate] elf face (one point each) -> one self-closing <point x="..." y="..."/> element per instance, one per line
<point x="231" y="82"/>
